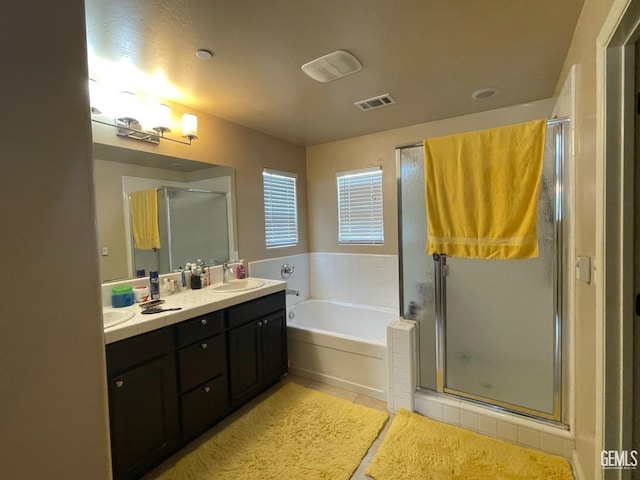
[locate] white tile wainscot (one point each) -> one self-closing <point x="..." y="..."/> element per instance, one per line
<point x="505" y="426"/>
<point x="401" y="355"/>
<point x="355" y="278"/>
<point x="299" y="279"/>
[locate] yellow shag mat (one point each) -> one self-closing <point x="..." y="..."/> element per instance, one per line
<point x="296" y="433"/>
<point x="416" y="447"/>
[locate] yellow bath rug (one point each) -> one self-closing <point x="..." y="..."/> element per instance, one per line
<point x="416" y="447"/>
<point x="296" y="433"/>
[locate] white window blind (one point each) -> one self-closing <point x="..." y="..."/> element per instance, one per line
<point x="360" y="207"/>
<point x="280" y="212"/>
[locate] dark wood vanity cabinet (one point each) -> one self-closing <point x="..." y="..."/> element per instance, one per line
<point x="257" y="340"/>
<point x="202" y="367"/>
<point x="142" y="402"/>
<point x="172" y="384"/>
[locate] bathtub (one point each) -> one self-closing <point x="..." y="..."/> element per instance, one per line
<point x="340" y="344"/>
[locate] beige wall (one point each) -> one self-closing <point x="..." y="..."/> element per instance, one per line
<point x="582" y="53"/>
<point x="248" y="151"/>
<point x="323" y="161"/>
<point x="53" y="400"/>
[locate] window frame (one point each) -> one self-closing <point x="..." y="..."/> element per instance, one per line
<point x="291" y="234"/>
<point x="346" y="233"/>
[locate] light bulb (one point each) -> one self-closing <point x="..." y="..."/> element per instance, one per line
<point x="128" y="109"/>
<point x="162" y="118"/>
<point x="189" y="126"/>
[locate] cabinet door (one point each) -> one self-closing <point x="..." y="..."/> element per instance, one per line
<point x="274" y="346"/>
<point x="244" y="361"/>
<point x="144" y="420"/>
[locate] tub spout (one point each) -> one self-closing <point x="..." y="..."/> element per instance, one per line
<point x="293" y="292"/>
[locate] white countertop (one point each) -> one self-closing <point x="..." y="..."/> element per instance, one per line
<point x="193" y="302"/>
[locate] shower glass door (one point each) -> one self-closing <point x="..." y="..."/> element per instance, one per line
<point x="489" y="330"/>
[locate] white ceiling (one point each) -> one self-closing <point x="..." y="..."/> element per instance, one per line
<point x="430" y="55"/>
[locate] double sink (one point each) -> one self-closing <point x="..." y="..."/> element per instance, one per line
<point x="113" y="317"/>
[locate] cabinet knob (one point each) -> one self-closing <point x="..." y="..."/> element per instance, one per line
<point x="204" y="345"/>
<point x="119" y="383"/>
<point x="259" y="324"/>
<point x="266" y="321"/>
<point x="206" y="389"/>
<point x="203" y="321"/>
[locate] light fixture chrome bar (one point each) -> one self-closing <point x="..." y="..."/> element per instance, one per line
<point x="128" y="130"/>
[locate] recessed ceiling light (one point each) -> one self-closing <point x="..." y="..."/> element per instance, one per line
<point x="484" y="93"/>
<point x="203" y="54"/>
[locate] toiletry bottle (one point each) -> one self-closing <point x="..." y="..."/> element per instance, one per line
<point x="154" y="282"/>
<point x="241" y="271"/>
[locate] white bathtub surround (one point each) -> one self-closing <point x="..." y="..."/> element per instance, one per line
<point x="512" y="428"/>
<point x="299" y="279"/>
<point x="402" y="364"/>
<point x="355" y="278"/>
<point x="340" y="344"/>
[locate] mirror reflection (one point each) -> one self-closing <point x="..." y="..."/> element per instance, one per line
<point x="196" y="211"/>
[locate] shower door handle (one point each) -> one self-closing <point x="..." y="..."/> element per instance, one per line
<point x="440" y="269"/>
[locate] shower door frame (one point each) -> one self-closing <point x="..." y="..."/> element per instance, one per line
<point x="440" y="267"/>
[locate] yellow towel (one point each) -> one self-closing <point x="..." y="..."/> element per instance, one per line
<point x="144" y="217"/>
<point x="482" y="192"/>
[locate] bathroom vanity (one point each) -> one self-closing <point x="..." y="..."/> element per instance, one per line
<point x="170" y="384"/>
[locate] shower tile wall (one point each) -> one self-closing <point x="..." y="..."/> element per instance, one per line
<point x="355" y="278"/>
<point x="299" y="280"/>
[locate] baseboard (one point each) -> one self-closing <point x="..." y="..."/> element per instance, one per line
<point x="337" y="382"/>
<point x="577" y="468"/>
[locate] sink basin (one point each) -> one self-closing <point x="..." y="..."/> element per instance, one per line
<point x="115" y="317"/>
<point x="238" y="285"/>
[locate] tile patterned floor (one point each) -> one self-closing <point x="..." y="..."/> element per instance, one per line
<point x="305" y="382"/>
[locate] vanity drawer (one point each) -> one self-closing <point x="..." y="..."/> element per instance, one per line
<point x="254" y="309"/>
<point x="199" y="328"/>
<point x="133" y="351"/>
<point x="203" y="406"/>
<point x="201" y="361"/>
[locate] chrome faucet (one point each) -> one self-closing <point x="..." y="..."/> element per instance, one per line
<point x="225" y="272"/>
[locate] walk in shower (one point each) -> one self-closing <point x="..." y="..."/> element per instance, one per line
<point x="489" y="330"/>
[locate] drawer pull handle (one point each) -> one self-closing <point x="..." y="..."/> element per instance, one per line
<point x="203" y="321"/>
<point x="206" y="389"/>
<point x="204" y="345"/>
<point x="119" y="383"/>
<point x="259" y="324"/>
<point x="266" y="321"/>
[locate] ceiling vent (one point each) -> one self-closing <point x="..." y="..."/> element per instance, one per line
<point x="375" y="102"/>
<point x="330" y="67"/>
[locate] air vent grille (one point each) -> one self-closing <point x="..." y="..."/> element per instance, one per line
<point x="375" y="102"/>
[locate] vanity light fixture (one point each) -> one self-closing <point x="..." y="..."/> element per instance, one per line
<point x="128" y="124"/>
<point x="93" y="95"/>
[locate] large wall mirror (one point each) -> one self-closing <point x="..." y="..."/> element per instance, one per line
<point x="196" y="211"/>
